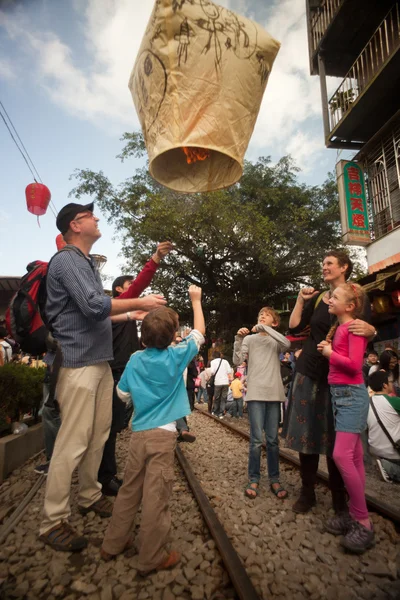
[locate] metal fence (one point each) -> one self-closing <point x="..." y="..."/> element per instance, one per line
<point x="321" y="18"/>
<point x="382" y="45"/>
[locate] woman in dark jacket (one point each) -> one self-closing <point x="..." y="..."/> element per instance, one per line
<point x="309" y="424"/>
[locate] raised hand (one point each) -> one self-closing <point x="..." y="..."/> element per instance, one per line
<point x="195" y="293"/>
<point x="307" y="293"/>
<point x="163" y="249"/>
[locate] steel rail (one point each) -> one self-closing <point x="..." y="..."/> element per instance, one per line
<point x="237" y="573"/>
<point x="19" y="512"/>
<point x="373" y="504"/>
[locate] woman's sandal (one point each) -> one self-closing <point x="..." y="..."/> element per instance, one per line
<point x="249" y="487"/>
<point x="278" y="490"/>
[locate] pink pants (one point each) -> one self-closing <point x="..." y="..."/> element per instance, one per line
<point x="348" y="455"/>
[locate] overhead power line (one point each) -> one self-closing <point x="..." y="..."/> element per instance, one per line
<point x="23" y="151"/>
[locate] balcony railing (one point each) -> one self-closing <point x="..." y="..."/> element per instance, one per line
<point x="384" y="42"/>
<point x="321" y="19"/>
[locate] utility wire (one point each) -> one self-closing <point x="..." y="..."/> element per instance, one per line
<point x="15" y="141"/>
<point x="25" y="155"/>
<point x="21" y="142"/>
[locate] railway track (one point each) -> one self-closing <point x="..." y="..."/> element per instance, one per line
<point x="254" y="540"/>
<point x="241" y="583"/>
<point x="374" y="504"/>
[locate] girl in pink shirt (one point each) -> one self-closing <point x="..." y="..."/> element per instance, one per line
<point x="350" y="403"/>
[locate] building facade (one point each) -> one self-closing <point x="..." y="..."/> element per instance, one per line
<point x="358" y="42"/>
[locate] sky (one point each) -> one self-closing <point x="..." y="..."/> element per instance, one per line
<point x="64" y="70"/>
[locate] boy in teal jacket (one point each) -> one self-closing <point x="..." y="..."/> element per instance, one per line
<point x="153" y="380"/>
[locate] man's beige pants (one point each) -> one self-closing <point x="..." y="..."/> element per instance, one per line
<point x="148" y="480"/>
<point x="85" y="399"/>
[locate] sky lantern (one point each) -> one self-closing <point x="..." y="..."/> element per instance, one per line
<point x="197" y="85"/>
<point x="60" y="242"/>
<point x="38" y="197"/>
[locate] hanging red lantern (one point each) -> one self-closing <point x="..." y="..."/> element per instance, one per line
<point x="37" y="198"/>
<point x="60" y="242"/>
<point x="396" y="298"/>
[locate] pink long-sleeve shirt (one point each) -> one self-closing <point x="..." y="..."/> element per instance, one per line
<point x="346" y="360"/>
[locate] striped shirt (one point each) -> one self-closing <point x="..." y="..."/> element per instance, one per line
<point x="78" y="310"/>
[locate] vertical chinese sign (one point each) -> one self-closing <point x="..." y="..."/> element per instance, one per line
<point x="353" y="204"/>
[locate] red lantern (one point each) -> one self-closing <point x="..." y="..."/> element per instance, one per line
<point x="396" y="298"/>
<point x="60" y="242"/>
<point x="37" y="198"/>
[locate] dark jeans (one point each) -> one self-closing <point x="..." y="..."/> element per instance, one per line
<point x="210" y="396"/>
<point x="191" y="395"/>
<point x="220" y="396"/>
<point x="264" y="417"/>
<point x="237" y="407"/>
<point x="51" y="421"/>
<point x="108" y="465"/>
<point x="181" y="424"/>
<point x="392" y="467"/>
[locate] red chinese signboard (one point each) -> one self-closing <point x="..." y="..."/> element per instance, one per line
<point x="353" y="204"/>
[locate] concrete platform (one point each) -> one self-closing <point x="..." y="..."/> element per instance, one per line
<point x="16" y="449"/>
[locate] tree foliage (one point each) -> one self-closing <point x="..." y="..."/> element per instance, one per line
<point x="250" y="245"/>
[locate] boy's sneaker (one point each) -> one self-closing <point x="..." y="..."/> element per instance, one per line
<point x="42" y="469"/>
<point x="339" y="524"/>
<point x="384" y="473"/>
<point x="358" y="539"/>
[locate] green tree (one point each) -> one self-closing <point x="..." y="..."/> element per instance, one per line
<point x="247" y="246"/>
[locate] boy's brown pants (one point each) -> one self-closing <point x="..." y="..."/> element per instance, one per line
<point x="148" y="479"/>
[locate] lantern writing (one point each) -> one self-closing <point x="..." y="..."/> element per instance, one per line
<point x="37" y="198"/>
<point x="197" y="84"/>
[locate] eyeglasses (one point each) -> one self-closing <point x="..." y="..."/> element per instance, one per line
<point x="88" y="216"/>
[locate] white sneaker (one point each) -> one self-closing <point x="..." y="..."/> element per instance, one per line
<point x="384" y="473"/>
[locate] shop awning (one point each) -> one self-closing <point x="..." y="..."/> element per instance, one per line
<point x="381" y="280"/>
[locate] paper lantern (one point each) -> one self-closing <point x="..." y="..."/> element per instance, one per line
<point x="37" y="198"/>
<point x="197" y="84"/>
<point x="381" y="304"/>
<point x="396" y="298"/>
<point x="60" y="242"/>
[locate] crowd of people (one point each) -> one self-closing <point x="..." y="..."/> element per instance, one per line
<point x="101" y="377"/>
